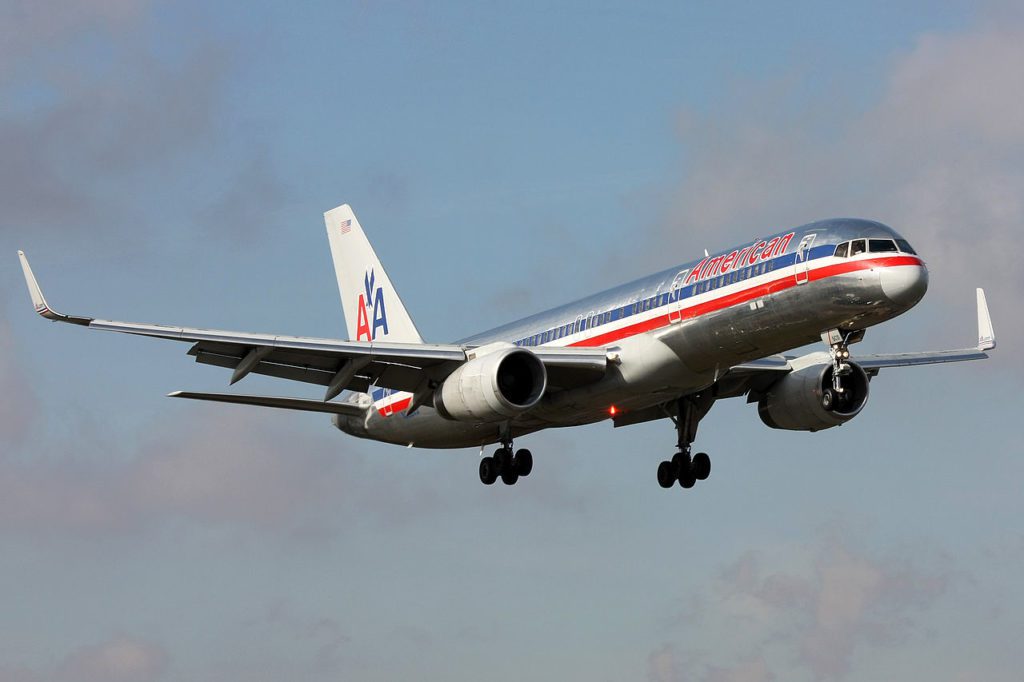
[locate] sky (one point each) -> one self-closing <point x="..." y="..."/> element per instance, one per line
<point x="170" y="162"/>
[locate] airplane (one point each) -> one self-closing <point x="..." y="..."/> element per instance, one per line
<point x="666" y="346"/>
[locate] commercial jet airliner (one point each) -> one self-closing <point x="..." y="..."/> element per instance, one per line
<point x="664" y="346"/>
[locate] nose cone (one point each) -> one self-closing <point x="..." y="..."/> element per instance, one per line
<point x="905" y="285"/>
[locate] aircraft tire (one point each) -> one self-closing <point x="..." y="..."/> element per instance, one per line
<point x="488" y="471"/>
<point x="509" y="476"/>
<point x="680" y="463"/>
<point x="523" y="462"/>
<point x="666" y="474"/>
<point x="688" y="480"/>
<point x="503" y="458"/>
<point x="701" y="466"/>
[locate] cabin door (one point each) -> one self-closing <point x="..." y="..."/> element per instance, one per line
<point x="675" y="305"/>
<point x="803" y="254"/>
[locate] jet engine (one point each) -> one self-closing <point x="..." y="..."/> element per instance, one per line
<point x="804" y="399"/>
<point x="493" y="387"/>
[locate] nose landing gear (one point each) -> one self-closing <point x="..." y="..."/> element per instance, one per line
<point x="839" y="348"/>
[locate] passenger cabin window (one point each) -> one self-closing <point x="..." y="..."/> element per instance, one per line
<point x="843" y="250"/>
<point x="882" y="246"/>
<point x="905" y="246"/>
<point x="859" y="246"/>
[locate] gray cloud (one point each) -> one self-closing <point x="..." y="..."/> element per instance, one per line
<point x="66" y="167"/>
<point x="753" y="670"/>
<point x="121" y="659"/>
<point x="29" y="29"/>
<point x="93" y="156"/>
<point x="826" y="607"/>
<point x="251" y="203"/>
<point x="939" y="156"/>
<point x="234" y="468"/>
<point x="662" y="665"/>
<point x="20" y="406"/>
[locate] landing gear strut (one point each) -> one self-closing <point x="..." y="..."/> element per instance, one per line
<point x="505" y="465"/>
<point x="839" y="349"/>
<point x="684" y="467"/>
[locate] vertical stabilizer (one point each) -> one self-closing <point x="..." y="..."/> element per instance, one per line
<point x="373" y="310"/>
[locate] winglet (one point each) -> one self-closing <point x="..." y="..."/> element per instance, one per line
<point x="39" y="301"/>
<point x="986" y="335"/>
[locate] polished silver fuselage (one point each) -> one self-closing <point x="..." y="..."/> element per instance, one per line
<point x="676" y="332"/>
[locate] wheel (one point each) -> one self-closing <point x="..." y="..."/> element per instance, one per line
<point x="509" y="476"/>
<point x="488" y="471"/>
<point x="666" y="474"/>
<point x="688" y="480"/>
<point x="503" y="458"/>
<point x="828" y="399"/>
<point x="680" y="463"/>
<point x="701" y="466"/>
<point x="523" y="462"/>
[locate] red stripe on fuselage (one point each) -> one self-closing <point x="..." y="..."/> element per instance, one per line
<point x="738" y="297"/>
<point x="723" y="302"/>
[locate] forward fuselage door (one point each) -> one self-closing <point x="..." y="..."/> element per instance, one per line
<point x="675" y="306"/>
<point x="803" y="253"/>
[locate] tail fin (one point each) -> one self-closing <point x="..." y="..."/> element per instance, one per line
<point x="373" y="310"/>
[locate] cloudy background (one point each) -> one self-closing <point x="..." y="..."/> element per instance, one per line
<point x="170" y="162"/>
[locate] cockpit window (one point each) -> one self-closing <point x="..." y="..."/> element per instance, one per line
<point x="905" y="246"/>
<point x="842" y="250"/>
<point x="858" y="246"/>
<point x="882" y="246"/>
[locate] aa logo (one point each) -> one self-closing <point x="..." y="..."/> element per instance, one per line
<point x="371" y="313"/>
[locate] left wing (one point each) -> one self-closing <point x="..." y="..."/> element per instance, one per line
<point x="873" y="363"/>
<point x="336" y="364"/>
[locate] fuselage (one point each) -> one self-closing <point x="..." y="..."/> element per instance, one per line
<point x="677" y="331"/>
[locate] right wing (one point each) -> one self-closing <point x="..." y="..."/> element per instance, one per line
<point x="338" y="365"/>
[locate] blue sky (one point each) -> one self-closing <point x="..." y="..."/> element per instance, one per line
<point x="170" y="162"/>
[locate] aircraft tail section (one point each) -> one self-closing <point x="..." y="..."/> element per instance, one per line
<point x="373" y="310"/>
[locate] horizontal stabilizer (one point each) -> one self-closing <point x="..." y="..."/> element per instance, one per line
<point x="347" y="409"/>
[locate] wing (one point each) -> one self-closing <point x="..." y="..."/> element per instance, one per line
<point x="754" y="378"/>
<point x="336" y="364"/>
<point x="872" y="364"/>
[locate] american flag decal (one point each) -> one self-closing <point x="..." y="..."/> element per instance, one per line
<point x="346" y="226"/>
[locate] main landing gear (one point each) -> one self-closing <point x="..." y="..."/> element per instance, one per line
<point x="505" y="465"/>
<point x="685" y="468"/>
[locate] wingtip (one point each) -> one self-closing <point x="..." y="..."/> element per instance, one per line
<point x="39" y="303"/>
<point x="986" y="332"/>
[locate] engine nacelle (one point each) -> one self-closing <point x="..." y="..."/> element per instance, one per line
<point x="795" y="402"/>
<point x="493" y="387"/>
